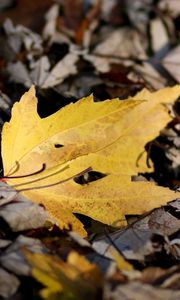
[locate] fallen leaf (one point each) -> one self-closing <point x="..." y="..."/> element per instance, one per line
<point x="121" y="262"/>
<point x="172" y="247"/>
<point x="135" y="241"/>
<point x="64" y="68"/>
<point x="40" y="70"/>
<point x="101" y="261"/>
<point x="171" y="62"/>
<point x="81" y="135"/>
<point x="110" y="50"/>
<point x="19" y="212"/>
<point x="172" y="6"/>
<point x="19" y="36"/>
<point x="172" y="282"/>
<point x="8" y="284"/>
<point x="75" y="279"/>
<point x="163" y="223"/>
<point x="19" y="73"/>
<point x="136" y="291"/>
<point x="148" y="74"/>
<point x="4" y="243"/>
<point x="13" y="260"/>
<point x="51" y="18"/>
<point x="159" y="34"/>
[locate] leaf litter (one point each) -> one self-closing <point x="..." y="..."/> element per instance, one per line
<point x="149" y="243"/>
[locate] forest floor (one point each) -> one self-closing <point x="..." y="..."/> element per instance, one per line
<point x="69" y="50"/>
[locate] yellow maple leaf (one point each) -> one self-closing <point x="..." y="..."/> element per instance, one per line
<point x="76" y="278"/>
<point x="108" y="136"/>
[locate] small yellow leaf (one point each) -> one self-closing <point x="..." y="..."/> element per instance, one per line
<point x="108" y="136"/>
<point x="75" y="279"/>
<point x="121" y="262"/>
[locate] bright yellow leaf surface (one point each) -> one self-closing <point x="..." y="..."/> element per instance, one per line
<point x="108" y="136"/>
<point x="74" y="279"/>
<point x="82" y="128"/>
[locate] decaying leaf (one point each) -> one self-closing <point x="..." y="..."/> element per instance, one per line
<point x="136" y="291"/>
<point x="74" y="279"/>
<point x="8" y="284"/>
<point x="108" y="136"/>
<point x="62" y="70"/>
<point x="13" y="259"/>
<point x="159" y="34"/>
<point x="110" y="49"/>
<point x="149" y="74"/>
<point x="173" y="6"/>
<point x="171" y="62"/>
<point x="135" y="241"/>
<point x="19" y="212"/>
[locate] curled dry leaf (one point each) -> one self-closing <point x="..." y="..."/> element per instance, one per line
<point x="63" y="69"/>
<point x="81" y="135"/>
<point x="19" y="212"/>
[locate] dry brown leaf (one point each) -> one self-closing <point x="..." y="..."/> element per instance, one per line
<point x="138" y="291"/>
<point x="8" y="284"/>
<point x="172" y="62"/>
<point x="19" y="212"/>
